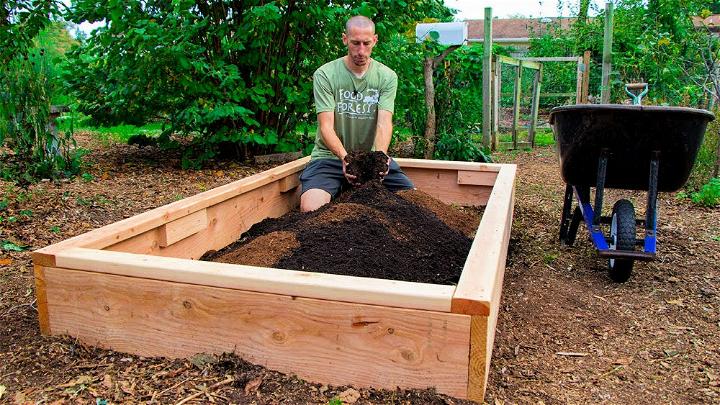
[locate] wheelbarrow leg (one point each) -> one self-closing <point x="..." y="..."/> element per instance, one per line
<point x="567" y="210"/>
<point x="600" y="187"/>
<point x="577" y="216"/>
<point x="651" y="209"/>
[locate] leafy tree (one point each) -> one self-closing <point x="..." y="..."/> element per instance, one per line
<point x="20" y="22"/>
<point x="654" y="41"/>
<point x="233" y="75"/>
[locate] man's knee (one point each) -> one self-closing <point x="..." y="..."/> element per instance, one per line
<point x="313" y="199"/>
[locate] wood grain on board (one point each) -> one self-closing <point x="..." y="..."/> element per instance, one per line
<point x="478" y="290"/>
<point x="364" y="290"/>
<point x="119" y="231"/>
<point x="318" y="340"/>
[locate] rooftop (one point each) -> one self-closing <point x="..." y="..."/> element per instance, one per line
<point x="515" y="28"/>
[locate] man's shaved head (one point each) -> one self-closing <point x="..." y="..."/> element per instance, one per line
<point x="359" y="21"/>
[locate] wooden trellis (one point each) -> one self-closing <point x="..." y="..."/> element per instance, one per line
<point x="536" y="64"/>
<point x="519" y="65"/>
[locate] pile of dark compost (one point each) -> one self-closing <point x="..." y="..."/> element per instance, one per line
<point x="367" y="232"/>
<point x="366" y="166"/>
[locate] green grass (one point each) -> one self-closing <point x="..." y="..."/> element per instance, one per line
<point x="543" y="137"/>
<point x="119" y="133"/>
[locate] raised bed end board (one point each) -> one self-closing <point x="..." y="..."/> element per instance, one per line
<point x="373" y="332"/>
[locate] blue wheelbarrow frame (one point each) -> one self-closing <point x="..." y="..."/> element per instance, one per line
<point x="629" y="147"/>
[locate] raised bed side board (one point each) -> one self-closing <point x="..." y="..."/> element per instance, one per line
<point x="136" y="286"/>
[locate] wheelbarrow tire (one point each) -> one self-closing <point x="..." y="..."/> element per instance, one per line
<point x="622" y="231"/>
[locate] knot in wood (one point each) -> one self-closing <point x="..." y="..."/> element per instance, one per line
<point x="187" y="304"/>
<point x="407" y="355"/>
<point x="107" y="307"/>
<point x="278" y="336"/>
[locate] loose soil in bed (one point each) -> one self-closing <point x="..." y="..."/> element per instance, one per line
<point x="368" y="232"/>
<point x="566" y="333"/>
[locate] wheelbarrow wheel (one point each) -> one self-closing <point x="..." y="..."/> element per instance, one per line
<point x="622" y="235"/>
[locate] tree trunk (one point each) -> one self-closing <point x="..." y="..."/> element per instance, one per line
<point x="430" y="108"/>
<point x="430" y="122"/>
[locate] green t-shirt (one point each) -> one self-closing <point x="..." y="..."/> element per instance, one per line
<point x="355" y="102"/>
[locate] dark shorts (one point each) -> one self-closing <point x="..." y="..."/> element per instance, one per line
<point x="327" y="174"/>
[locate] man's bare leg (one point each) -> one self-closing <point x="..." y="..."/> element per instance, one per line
<point x="313" y="199"/>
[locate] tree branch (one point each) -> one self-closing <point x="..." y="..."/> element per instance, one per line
<point x="438" y="59"/>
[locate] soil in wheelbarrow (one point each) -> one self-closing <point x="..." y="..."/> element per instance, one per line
<point x="367" y="232"/>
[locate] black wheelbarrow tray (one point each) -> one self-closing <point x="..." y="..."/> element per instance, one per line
<point x="628" y="147"/>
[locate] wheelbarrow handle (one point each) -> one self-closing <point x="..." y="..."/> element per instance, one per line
<point x="640" y="88"/>
<point x="636" y="86"/>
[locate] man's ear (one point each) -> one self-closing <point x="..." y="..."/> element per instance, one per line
<point x="375" y="37"/>
<point x="345" y="39"/>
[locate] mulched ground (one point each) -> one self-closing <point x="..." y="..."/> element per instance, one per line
<point x="566" y="333"/>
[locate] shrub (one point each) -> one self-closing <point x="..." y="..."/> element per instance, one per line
<point x="707" y="157"/>
<point x="459" y="146"/>
<point x="709" y="194"/>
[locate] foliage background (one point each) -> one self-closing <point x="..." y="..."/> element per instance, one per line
<point x="233" y="78"/>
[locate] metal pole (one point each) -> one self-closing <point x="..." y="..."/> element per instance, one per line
<point x="607" y="54"/>
<point x="487" y="78"/>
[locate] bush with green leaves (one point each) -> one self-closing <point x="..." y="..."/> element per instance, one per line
<point x="709" y="194"/>
<point x="233" y="76"/>
<point x="707" y="159"/>
<point x="461" y="147"/>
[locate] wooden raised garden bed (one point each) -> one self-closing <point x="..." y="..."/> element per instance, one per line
<point x="135" y="286"/>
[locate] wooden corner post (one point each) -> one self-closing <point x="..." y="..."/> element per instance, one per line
<point x="487" y="78"/>
<point x="41" y="295"/>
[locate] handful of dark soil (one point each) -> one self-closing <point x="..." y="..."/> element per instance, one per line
<point x="366" y="166"/>
<point x="368" y="232"/>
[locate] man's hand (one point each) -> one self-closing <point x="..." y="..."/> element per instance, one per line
<point x="387" y="169"/>
<point x="350" y="178"/>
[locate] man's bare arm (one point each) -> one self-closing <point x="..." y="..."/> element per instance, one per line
<point x="326" y="121"/>
<point x="383" y="133"/>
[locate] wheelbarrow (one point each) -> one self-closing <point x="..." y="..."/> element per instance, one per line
<point x="628" y="147"/>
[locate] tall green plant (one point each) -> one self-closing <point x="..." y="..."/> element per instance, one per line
<point x="32" y="150"/>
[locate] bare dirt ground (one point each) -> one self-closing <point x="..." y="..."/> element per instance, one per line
<point x="566" y="333"/>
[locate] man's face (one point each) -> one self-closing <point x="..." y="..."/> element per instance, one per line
<point x="360" y="42"/>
